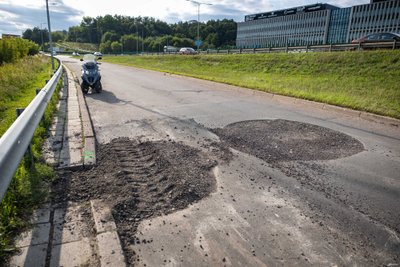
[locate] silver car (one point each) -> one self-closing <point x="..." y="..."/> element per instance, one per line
<point x="187" y="51"/>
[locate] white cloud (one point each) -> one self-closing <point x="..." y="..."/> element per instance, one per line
<point x="65" y="13"/>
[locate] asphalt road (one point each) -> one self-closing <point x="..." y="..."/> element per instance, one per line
<point x="339" y="212"/>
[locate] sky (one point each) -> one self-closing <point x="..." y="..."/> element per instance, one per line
<point x="18" y="15"/>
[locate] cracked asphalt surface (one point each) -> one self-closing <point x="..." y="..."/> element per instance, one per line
<point x="282" y="183"/>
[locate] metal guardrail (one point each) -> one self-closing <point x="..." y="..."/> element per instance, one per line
<point x="295" y="49"/>
<point x="310" y="48"/>
<point x="15" y="141"/>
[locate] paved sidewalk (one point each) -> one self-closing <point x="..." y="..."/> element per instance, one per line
<point x="81" y="234"/>
<point x="71" y="143"/>
<point x="76" y="235"/>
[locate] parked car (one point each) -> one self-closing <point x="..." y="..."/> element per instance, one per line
<point x="377" y="37"/>
<point x="170" y="49"/>
<point x="187" y="51"/>
<point x="98" y="55"/>
<point x="75" y="53"/>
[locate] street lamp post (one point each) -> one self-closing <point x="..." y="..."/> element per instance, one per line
<point x="41" y="34"/>
<point x="50" y="40"/>
<point x="198" y="19"/>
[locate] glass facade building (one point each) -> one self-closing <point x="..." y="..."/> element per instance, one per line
<point x="317" y="24"/>
<point x="338" y="26"/>
<point x="380" y="16"/>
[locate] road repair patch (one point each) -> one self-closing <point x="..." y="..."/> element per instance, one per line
<point x="283" y="140"/>
<point x="140" y="180"/>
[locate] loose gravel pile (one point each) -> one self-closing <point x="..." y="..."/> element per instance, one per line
<point x="142" y="180"/>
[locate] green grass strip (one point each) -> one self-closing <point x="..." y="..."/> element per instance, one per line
<point x="29" y="186"/>
<point x="366" y="81"/>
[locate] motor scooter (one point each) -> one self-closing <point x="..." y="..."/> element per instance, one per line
<point x="91" y="77"/>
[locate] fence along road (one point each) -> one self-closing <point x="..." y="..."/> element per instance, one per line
<point x="15" y="141"/>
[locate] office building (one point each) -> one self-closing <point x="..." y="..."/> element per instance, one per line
<point x="317" y="24"/>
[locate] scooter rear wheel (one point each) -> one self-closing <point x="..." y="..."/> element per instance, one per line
<point x="99" y="88"/>
<point x="84" y="88"/>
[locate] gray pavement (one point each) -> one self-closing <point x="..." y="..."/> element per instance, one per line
<point x="246" y="221"/>
<point x="350" y="219"/>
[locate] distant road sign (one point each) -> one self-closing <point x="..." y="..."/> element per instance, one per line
<point x="198" y="42"/>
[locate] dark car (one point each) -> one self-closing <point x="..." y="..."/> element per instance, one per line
<point x="378" y="37"/>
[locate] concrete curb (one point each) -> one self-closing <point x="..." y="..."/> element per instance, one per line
<point x="346" y="111"/>
<point x="110" y="250"/>
<point x="289" y="99"/>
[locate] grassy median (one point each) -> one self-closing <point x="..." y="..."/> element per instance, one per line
<point x="28" y="188"/>
<point x="367" y="80"/>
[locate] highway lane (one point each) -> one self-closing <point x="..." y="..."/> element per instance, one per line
<point x="346" y="213"/>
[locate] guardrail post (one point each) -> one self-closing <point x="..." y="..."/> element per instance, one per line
<point x="29" y="150"/>
<point x="330" y="48"/>
<point x="306" y="48"/>
<point x="394" y="44"/>
<point x="19" y="111"/>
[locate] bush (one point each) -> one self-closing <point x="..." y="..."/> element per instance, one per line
<point x="12" y="49"/>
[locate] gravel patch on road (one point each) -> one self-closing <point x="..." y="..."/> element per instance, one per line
<point x="140" y="180"/>
<point x="282" y="140"/>
<point x="299" y="150"/>
<point x="302" y="151"/>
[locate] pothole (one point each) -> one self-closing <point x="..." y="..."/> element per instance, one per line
<point x="283" y="140"/>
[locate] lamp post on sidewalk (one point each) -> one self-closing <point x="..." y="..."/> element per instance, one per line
<point x="50" y="40"/>
<point x="198" y="41"/>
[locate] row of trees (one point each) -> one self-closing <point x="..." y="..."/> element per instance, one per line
<point x="132" y="34"/>
<point x="134" y="43"/>
<point x="41" y="36"/>
<point x="12" y="49"/>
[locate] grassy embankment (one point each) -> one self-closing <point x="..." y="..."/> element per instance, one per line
<point x="17" y="89"/>
<point x="78" y="47"/>
<point x="367" y="81"/>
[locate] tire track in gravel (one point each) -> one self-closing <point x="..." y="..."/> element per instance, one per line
<point x="140" y="180"/>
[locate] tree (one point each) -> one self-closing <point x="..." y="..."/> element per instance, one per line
<point x="27" y="34"/>
<point x="214" y="33"/>
<point x="105" y="47"/>
<point x="36" y="34"/>
<point x="58" y="36"/>
<point x="110" y="36"/>
<point x="116" y="47"/>
<point x="131" y="42"/>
